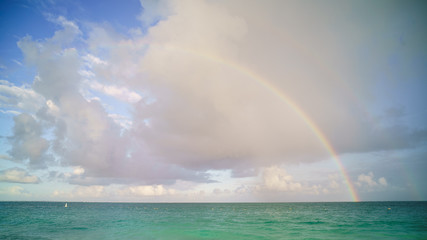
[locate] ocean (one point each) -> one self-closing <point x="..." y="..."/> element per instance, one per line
<point x="337" y="220"/>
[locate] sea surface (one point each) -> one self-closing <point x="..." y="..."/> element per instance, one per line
<point x="358" y="220"/>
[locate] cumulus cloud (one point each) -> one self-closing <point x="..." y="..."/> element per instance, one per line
<point x="10" y="112"/>
<point x="81" y="192"/>
<point x="92" y="61"/>
<point x="276" y="179"/>
<point x="15" y="191"/>
<point x="17" y="175"/>
<point x="369" y="180"/>
<point x="382" y="181"/>
<point x="334" y="182"/>
<point x="84" y="135"/>
<point x="121" y="93"/>
<point x="121" y="192"/>
<point x="68" y="34"/>
<point x="220" y="87"/>
<point x="78" y="170"/>
<point x="89" y="191"/>
<point x="27" y="142"/>
<point x="123" y="121"/>
<point x="21" y="98"/>
<point x="146" y="190"/>
<point x="218" y="191"/>
<point x="153" y="11"/>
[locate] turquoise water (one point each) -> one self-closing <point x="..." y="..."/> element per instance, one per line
<point x="363" y="220"/>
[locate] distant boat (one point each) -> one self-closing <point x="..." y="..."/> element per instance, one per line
<point x="66" y="205"/>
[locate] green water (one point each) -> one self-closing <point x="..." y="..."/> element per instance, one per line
<point x="363" y="220"/>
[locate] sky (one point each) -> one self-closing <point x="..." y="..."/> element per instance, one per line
<point x="213" y="101"/>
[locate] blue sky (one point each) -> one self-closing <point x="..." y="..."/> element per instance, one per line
<point x="167" y="100"/>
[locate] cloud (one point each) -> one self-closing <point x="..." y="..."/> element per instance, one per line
<point x="17" y="62"/>
<point x="276" y="179"/>
<point x="243" y="189"/>
<point x="92" y="60"/>
<point x="10" y="112"/>
<point x="84" y="134"/>
<point x="78" y="170"/>
<point x="17" y="175"/>
<point x="369" y="181"/>
<point x="226" y="92"/>
<point x="382" y="181"/>
<point x="218" y="191"/>
<point x="5" y="157"/>
<point x="27" y="142"/>
<point x="153" y="11"/>
<point x="15" y="191"/>
<point x="120" y="93"/>
<point x="22" y="98"/>
<point x="275" y="184"/>
<point x="81" y="192"/>
<point x="89" y="191"/>
<point x="123" y="121"/>
<point x="146" y="190"/>
<point x="68" y="34"/>
<point x="120" y="192"/>
<point x="333" y="181"/>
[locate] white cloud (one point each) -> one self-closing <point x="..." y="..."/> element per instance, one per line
<point x="220" y="79"/>
<point x="23" y="98"/>
<point x="17" y="62"/>
<point x="153" y="11"/>
<point x="218" y="191"/>
<point x="81" y="193"/>
<point x="369" y="181"/>
<point x="275" y="178"/>
<point x="87" y="74"/>
<point x="244" y="189"/>
<point x="60" y="193"/>
<point x="123" y="121"/>
<point x="120" y="93"/>
<point x="124" y="193"/>
<point x="53" y="108"/>
<point x="94" y="191"/>
<point x="146" y="190"/>
<point x="68" y="34"/>
<point x="15" y="191"/>
<point x="382" y="181"/>
<point x="78" y="170"/>
<point x="92" y="60"/>
<point x="136" y="32"/>
<point x="27" y="142"/>
<point x="17" y="175"/>
<point x="334" y="182"/>
<point x="10" y="112"/>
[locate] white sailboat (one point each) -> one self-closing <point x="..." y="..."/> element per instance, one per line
<point x="66" y="205"/>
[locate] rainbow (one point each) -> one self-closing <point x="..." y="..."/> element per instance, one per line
<point x="313" y="127"/>
<point x="270" y="87"/>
